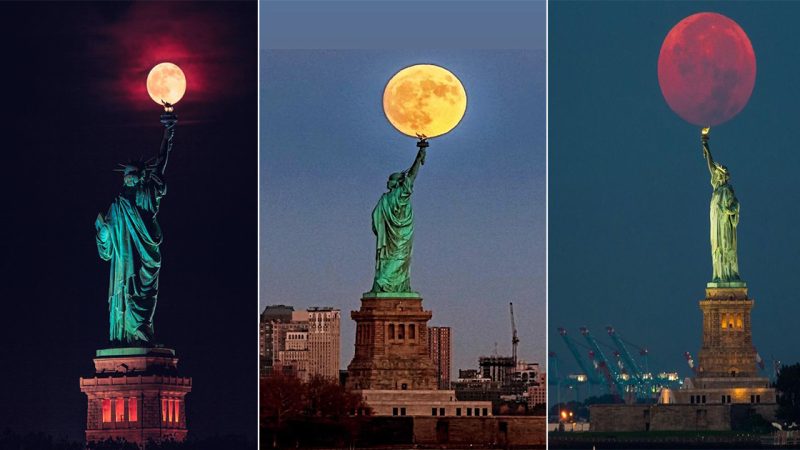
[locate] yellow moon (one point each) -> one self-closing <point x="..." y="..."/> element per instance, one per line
<point x="166" y="82"/>
<point x="424" y="99"/>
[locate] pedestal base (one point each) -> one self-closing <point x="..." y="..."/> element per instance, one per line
<point x="726" y="390"/>
<point x="437" y="403"/>
<point x="136" y="395"/>
<point x="391" y="344"/>
<point x="727" y="372"/>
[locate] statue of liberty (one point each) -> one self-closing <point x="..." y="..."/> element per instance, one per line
<point x="393" y="225"/>
<point x="724" y="214"/>
<point x="129" y="236"/>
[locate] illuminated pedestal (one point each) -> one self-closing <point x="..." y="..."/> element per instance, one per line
<point x="391" y="344"/>
<point x="727" y="372"/>
<point x="727" y="349"/>
<point x="726" y="392"/>
<point x="137" y="395"/>
<point x="391" y="368"/>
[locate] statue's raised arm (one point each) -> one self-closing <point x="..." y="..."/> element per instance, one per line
<point x="418" y="161"/>
<point x="707" y="152"/>
<point x="169" y="121"/>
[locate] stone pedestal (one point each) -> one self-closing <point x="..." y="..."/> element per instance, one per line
<point x="137" y="395"/>
<point x="727" y="349"/>
<point x="391" y="344"/>
<point x="727" y="372"/>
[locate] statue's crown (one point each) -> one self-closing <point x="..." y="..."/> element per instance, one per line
<point x="139" y="166"/>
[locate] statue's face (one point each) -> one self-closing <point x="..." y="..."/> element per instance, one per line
<point x="721" y="174"/>
<point x="394" y="180"/>
<point x="723" y="177"/>
<point x="392" y="183"/>
<point x="130" y="179"/>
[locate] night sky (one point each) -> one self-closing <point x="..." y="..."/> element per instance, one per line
<point x="479" y="201"/>
<point x="75" y="106"/>
<point x="630" y="191"/>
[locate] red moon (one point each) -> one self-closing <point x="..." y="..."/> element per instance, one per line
<point x="706" y="69"/>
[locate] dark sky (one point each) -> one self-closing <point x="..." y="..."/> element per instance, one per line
<point x="629" y="189"/>
<point x="479" y="201"/>
<point x="75" y="105"/>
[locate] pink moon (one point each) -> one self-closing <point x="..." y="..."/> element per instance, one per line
<point x="706" y="69"/>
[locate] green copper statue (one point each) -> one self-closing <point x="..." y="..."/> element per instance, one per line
<point x="393" y="225"/>
<point x="724" y="215"/>
<point x="129" y="236"/>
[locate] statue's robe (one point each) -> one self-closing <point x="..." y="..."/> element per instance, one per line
<point x="724" y="215"/>
<point x="132" y="245"/>
<point x="393" y="225"/>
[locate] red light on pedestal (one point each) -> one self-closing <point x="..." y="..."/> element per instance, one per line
<point x="119" y="409"/>
<point x="106" y="410"/>
<point x="133" y="410"/>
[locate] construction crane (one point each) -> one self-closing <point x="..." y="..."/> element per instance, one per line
<point x="514" y="338"/>
<point x="592" y="375"/>
<point x="613" y="378"/>
<point x="553" y="376"/>
<point x="601" y="365"/>
<point x="630" y="363"/>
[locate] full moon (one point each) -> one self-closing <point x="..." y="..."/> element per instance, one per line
<point x="424" y="99"/>
<point x="706" y="69"/>
<point x="166" y="82"/>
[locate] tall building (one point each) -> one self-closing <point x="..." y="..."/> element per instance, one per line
<point x="269" y="317"/>
<point x="307" y="344"/>
<point x="440" y="350"/>
<point x="537" y="393"/>
<point x="291" y="356"/>
<point x="497" y="368"/>
<point x="323" y="341"/>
